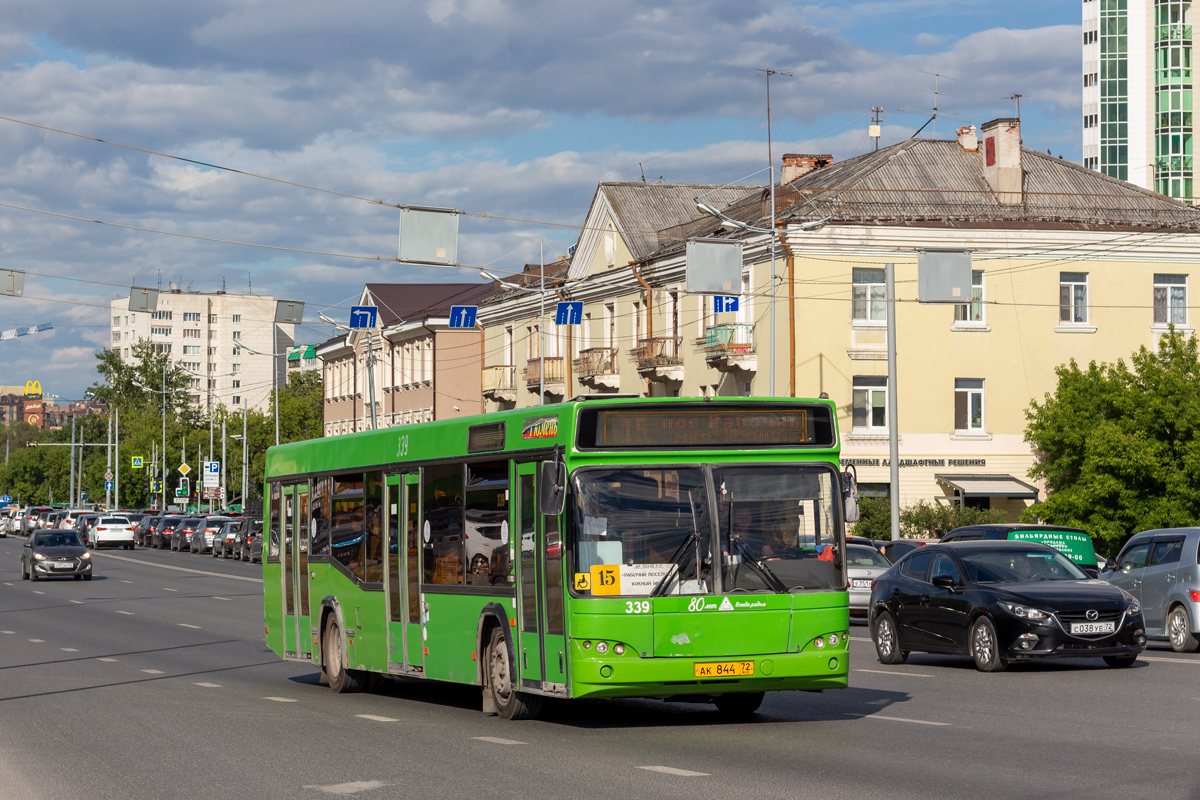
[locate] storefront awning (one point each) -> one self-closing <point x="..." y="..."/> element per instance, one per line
<point x="988" y="486"/>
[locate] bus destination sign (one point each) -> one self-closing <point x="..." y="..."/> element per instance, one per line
<point x="708" y="428"/>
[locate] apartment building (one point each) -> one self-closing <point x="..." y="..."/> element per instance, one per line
<point x="226" y="342"/>
<point x="1067" y="263"/>
<point x="1138" y="97"/>
<point x="415" y="366"/>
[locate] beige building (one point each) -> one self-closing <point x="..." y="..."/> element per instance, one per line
<point x="226" y="341"/>
<point x="1068" y="263"/>
<point x="422" y="369"/>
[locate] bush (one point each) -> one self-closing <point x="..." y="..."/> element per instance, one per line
<point x="923" y="520"/>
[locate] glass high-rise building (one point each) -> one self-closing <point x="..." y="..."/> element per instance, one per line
<point x="1137" y="92"/>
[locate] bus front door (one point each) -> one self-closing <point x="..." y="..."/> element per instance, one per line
<point x="398" y="588"/>
<point x="529" y="619"/>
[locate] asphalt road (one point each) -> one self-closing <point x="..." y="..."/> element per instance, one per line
<point x="152" y="682"/>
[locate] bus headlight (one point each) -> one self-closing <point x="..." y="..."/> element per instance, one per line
<point x="619" y="649"/>
<point x="601" y="647"/>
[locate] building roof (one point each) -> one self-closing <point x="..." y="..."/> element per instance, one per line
<point x="645" y="210"/>
<point x="410" y="302"/>
<point x="939" y="182"/>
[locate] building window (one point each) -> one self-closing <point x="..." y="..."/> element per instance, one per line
<point x="237" y="351"/>
<point x="968" y="405"/>
<point x="162" y="348"/>
<point x="237" y="368"/>
<point x="191" y="316"/>
<point x="237" y="317"/>
<point x="212" y="319"/>
<point x="116" y="336"/>
<point x="116" y="321"/>
<point x="869" y="296"/>
<point x="237" y="399"/>
<point x="972" y="313"/>
<point x="237" y="335"/>
<point x="191" y="333"/>
<point x="212" y="351"/>
<point x="191" y="349"/>
<point x="160" y="331"/>
<point x="870" y="403"/>
<point x="237" y="384"/>
<point x="1170" y="299"/>
<point x="160" y="315"/>
<point x="1073" y="297"/>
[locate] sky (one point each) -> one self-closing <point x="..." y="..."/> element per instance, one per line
<point x="509" y="109"/>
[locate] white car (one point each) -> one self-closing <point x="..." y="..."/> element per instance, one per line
<point x="113" y="531"/>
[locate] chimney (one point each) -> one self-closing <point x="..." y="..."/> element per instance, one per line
<point x="1002" y="160"/>
<point x="967" y="139"/>
<point x="796" y="166"/>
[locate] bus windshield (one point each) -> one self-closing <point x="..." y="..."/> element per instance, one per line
<point x="651" y="531"/>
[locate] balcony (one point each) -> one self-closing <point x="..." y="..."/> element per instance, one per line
<point x="660" y="359"/>
<point x="597" y="367"/>
<point x="554" y="380"/>
<point x="500" y="383"/>
<point x="731" y="347"/>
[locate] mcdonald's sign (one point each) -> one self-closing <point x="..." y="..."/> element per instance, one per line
<point x="33" y="389"/>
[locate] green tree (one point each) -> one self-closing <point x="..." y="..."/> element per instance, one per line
<point x="1118" y="445"/>
<point x="922" y="520"/>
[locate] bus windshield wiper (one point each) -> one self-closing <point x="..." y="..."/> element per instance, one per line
<point x="769" y="577"/>
<point x="677" y="558"/>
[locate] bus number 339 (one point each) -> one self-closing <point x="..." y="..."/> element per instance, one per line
<point x="637" y="606"/>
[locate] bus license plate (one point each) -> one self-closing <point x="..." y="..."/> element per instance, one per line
<point x="724" y="669"/>
<point x="1093" y="627"/>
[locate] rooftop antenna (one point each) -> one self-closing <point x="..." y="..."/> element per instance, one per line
<point x="643" y="169"/>
<point x="876" y="129"/>
<point x="249" y="283"/>
<point x="160" y="280"/>
<point x="222" y="284"/>
<point x="937" y="110"/>
<point x="1017" y="96"/>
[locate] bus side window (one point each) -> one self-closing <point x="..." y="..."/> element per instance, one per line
<point x="442" y="527"/>
<point x="320" y="503"/>
<point x="347" y="522"/>
<point x="273" y="545"/>
<point x="373" y="508"/>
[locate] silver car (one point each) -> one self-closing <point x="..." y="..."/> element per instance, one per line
<point x="863" y="565"/>
<point x="1160" y="568"/>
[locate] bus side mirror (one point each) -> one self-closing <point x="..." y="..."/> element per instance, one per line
<point x="850" y="493"/>
<point x="552" y="486"/>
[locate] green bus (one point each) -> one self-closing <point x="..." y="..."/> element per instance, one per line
<point x="674" y="548"/>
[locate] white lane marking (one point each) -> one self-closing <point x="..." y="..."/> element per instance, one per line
<point x="497" y="740"/>
<point x="281" y="699"/>
<point x="349" y="788"/>
<point x="1170" y="660"/>
<point x="77" y="602"/>
<point x="6" y="583"/>
<point x="39" y="641"/>
<point x="169" y="589"/>
<point x="179" y="569"/>
<point x="185" y="625"/>
<point x="905" y="719"/>
<point x="68" y="649"/>
<point x="861" y="639"/>
<point x="153" y="671"/>
<point x="891" y="672"/>
<point x="376" y="718"/>
<point x="126" y="613"/>
<point x="209" y="685"/>
<point x="686" y="773"/>
<point x="226" y="599"/>
<point x="8" y="633"/>
<point x="106" y="659"/>
<point x="35" y="591"/>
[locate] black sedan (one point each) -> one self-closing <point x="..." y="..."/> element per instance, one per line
<point x="999" y="602"/>
<point x="55" y="553"/>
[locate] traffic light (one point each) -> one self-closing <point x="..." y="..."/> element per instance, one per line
<point x="183" y="490"/>
<point x="150" y="485"/>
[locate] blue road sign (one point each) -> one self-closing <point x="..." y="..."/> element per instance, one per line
<point x="569" y="313"/>
<point x="137" y="462"/>
<point x="109" y="486"/>
<point x="463" y="316"/>
<point x="721" y="304"/>
<point x="363" y="316"/>
<point x="6" y="499"/>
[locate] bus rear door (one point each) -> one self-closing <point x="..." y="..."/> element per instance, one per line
<point x="403" y="614"/>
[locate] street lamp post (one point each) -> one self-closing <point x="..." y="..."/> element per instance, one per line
<point x="541" y="292"/>
<point x="274" y="382"/>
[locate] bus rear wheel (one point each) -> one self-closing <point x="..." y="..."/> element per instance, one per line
<point x="509" y="703"/>
<point x="341" y="680"/>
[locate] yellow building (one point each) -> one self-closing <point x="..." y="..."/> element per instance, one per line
<point x="1068" y="263"/>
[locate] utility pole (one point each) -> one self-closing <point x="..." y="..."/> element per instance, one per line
<point x="108" y="466"/>
<point x="542" y="327"/>
<point x="370" y="380"/>
<point x="224" y="441"/>
<point x="893" y="415"/>
<point x="117" y="457"/>
<point x="71" y="496"/>
<point x="767" y="73"/>
<point x="876" y="125"/>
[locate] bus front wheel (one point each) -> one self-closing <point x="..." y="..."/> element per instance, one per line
<point x="341" y="679"/>
<point x="509" y="703"/>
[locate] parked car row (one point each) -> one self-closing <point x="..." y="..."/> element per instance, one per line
<point x="223" y="536"/>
